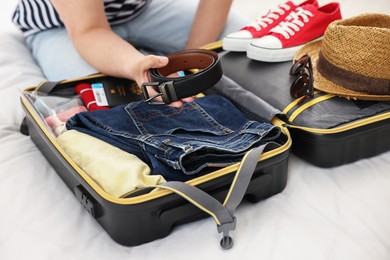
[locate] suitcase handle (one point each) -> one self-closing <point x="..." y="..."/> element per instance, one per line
<point x="223" y="213"/>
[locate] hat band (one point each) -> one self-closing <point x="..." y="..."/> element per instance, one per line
<point x="351" y="80"/>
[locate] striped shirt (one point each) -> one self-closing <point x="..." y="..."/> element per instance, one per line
<point x="32" y="16"/>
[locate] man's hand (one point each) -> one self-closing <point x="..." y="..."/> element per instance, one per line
<point x="141" y="75"/>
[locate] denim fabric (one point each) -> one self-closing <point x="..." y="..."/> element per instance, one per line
<point x="210" y="132"/>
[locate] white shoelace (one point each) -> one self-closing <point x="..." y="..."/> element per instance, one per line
<point x="293" y="22"/>
<point x="269" y="18"/>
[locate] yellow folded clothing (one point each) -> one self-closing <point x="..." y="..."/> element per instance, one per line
<point x="115" y="170"/>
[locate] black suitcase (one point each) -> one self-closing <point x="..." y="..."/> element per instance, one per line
<point x="143" y="216"/>
<point x="326" y="130"/>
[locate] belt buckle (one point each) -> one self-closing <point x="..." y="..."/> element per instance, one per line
<point x="165" y="90"/>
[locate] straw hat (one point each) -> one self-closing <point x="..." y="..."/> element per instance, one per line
<point x="353" y="58"/>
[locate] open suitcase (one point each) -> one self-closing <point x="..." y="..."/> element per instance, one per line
<point x="143" y="216"/>
<point x="326" y="130"/>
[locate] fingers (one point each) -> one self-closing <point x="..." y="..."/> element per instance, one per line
<point x="143" y="66"/>
<point x="188" y="99"/>
<point x="179" y="103"/>
<point x="153" y="61"/>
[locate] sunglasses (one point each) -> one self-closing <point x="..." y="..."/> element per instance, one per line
<point x="303" y="84"/>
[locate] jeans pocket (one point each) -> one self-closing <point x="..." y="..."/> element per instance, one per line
<point x="265" y="131"/>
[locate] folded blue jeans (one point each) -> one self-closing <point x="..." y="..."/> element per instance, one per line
<point x="210" y="132"/>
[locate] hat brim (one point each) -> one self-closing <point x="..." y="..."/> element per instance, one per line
<point x="325" y="85"/>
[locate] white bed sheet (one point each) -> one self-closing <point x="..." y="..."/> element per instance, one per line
<point x="338" y="213"/>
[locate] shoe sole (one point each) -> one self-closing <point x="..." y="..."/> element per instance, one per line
<point x="271" y="55"/>
<point x="235" y="44"/>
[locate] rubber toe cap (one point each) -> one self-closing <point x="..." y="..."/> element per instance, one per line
<point x="268" y="41"/>
<point x="243" y="34"/>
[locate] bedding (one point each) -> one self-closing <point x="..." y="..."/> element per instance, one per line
<point x="337" y="213"/>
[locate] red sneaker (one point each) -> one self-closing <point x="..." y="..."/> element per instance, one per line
<point x="238" y="41"/>
<point x="305" y="24"/>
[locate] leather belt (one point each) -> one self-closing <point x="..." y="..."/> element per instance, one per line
<point x="170" y="89"/>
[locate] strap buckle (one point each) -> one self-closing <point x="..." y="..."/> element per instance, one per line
<point x="165" y="90"/>
<point x="227" y="241"/>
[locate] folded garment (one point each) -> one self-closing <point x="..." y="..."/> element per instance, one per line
<point x="178" y="143"/>
<point x="86" y="93"/>
<point x="57" y="121"/>
<point x="116" y="171"/>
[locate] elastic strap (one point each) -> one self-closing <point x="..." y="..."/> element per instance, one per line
<point x="242" y="178"/>
<point x="293" y="104"/>
<point x="223" y="214"/>
<point x="309" y="104"/>
<point x="200" y="199"/>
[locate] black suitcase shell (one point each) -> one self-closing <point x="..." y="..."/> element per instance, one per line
<point x="362" y="135"/>
<point x="143" y="217"/>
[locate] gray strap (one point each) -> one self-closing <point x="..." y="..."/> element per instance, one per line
<point x="237" y="191"/>
<point x="242" y="178"/>
<point x="223" y="214"/>
<point x="201" y="199"/>
<point x="225" y="219"/>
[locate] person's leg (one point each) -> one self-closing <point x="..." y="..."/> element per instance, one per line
<point x="55" y="53"/>
<point x="235" y="22"/>
<point x="165" y="25"/>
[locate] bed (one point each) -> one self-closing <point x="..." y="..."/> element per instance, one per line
<point x="337" y="213"/>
